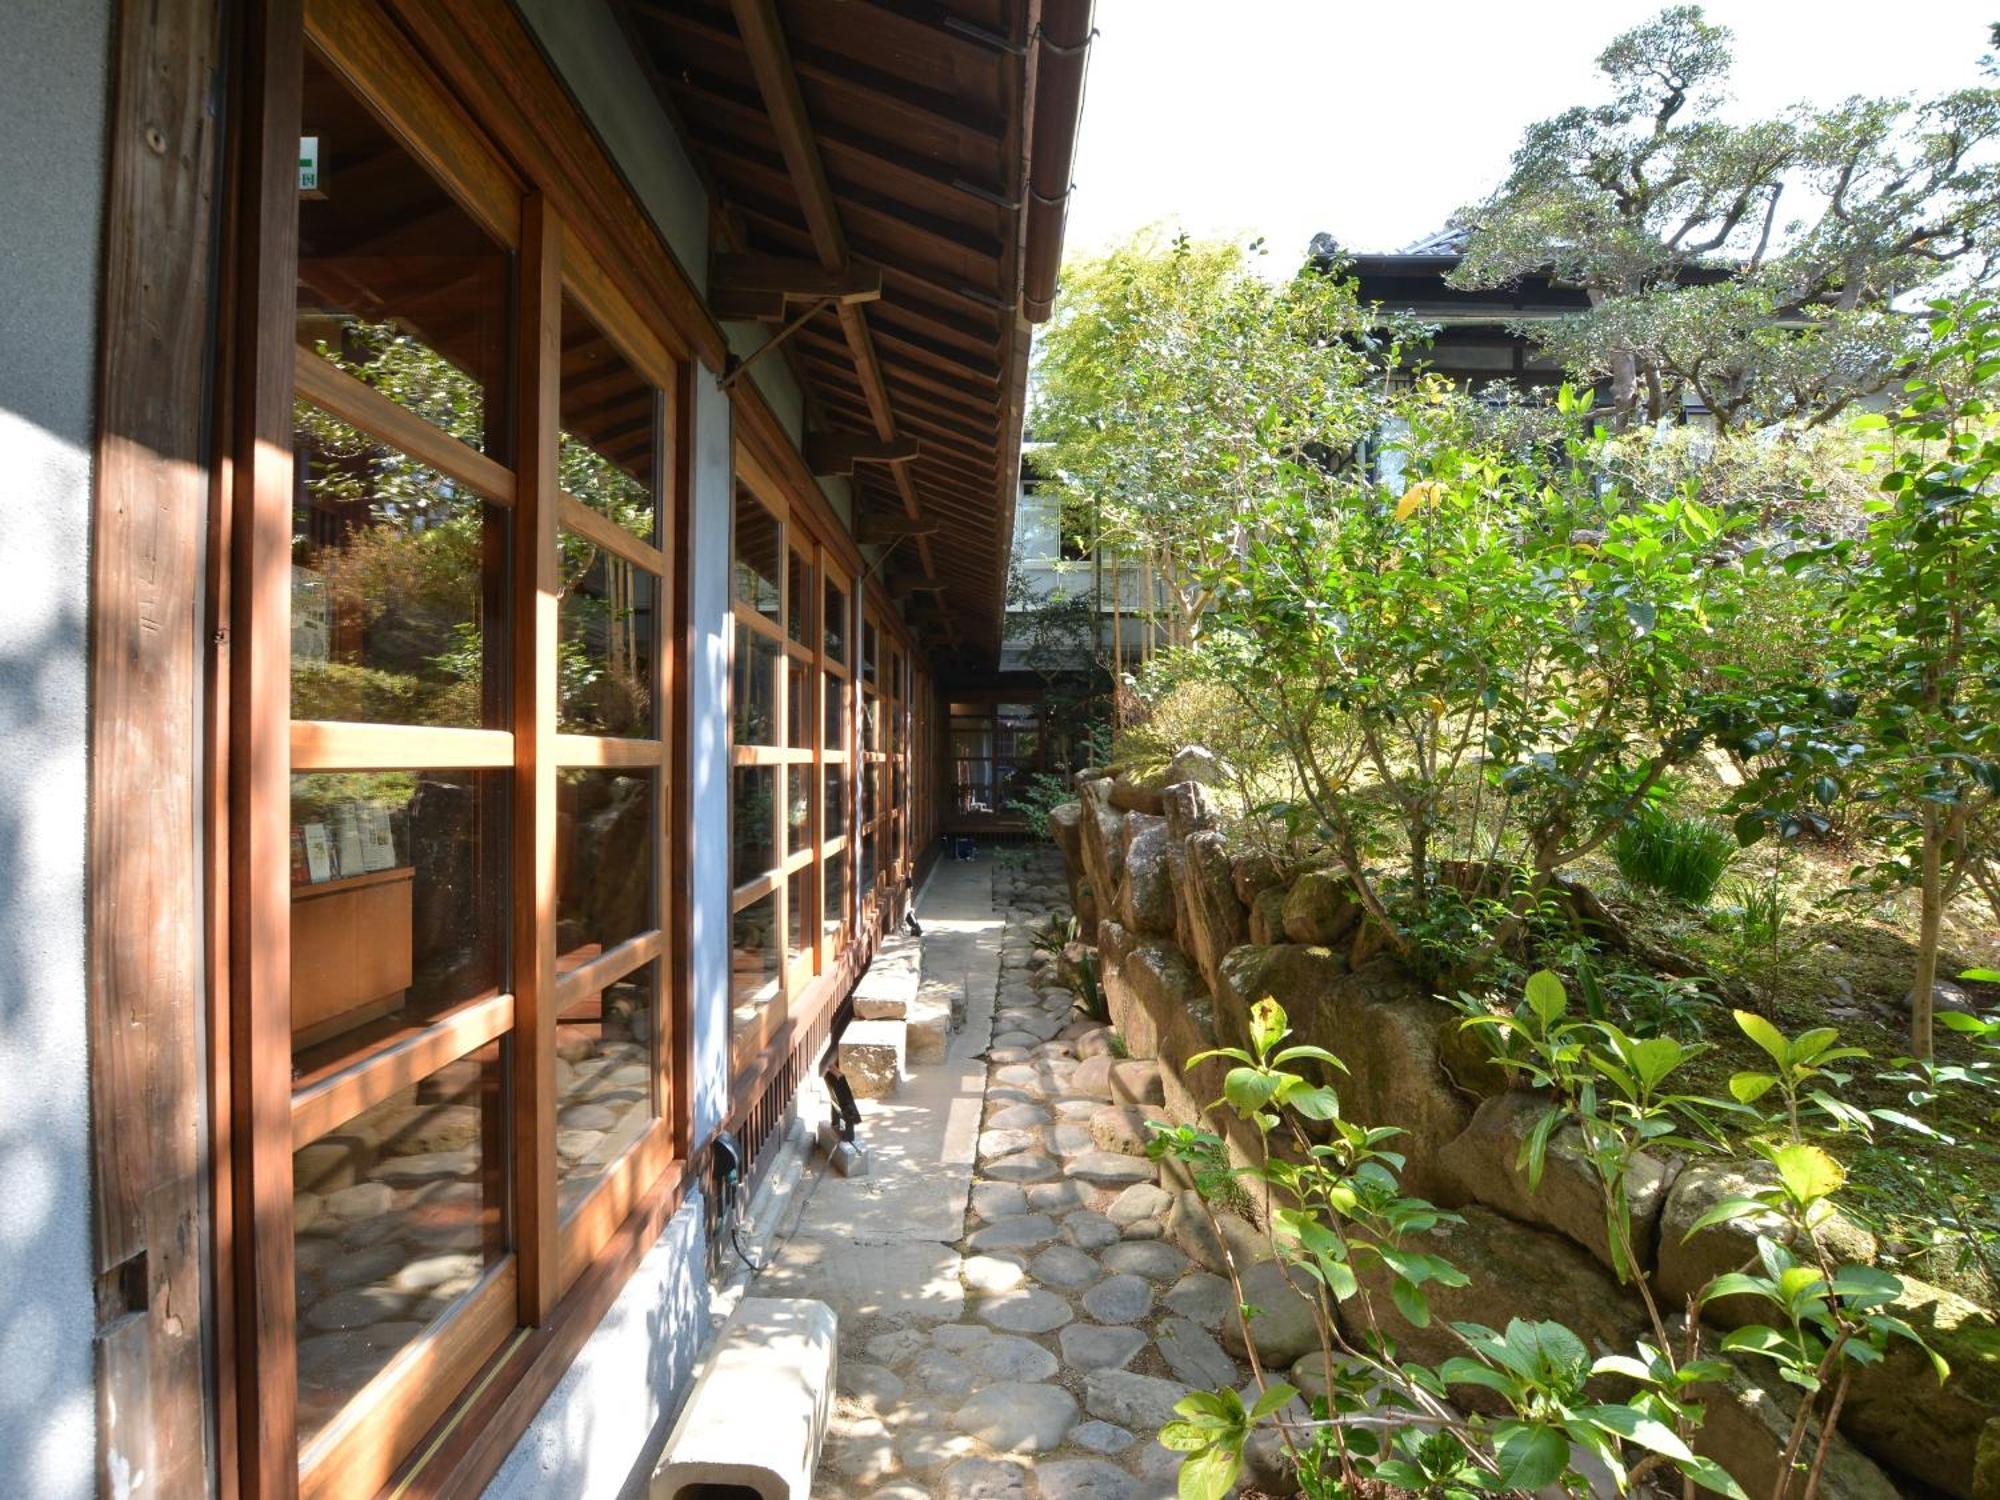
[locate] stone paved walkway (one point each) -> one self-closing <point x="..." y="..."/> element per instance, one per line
<point x="1033" y="1356"/>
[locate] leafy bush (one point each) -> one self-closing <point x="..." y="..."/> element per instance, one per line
<point x="1679" y="855"/>
<point x="1338" y="1215"/>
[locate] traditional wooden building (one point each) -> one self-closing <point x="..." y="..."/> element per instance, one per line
<point x="502" y="496"/>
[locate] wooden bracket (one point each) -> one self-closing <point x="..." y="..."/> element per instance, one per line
<point x="838" y="452"/>
<point x="877" y="528"/>
<point x="903" y="585"/>
<point x="758" y="287"/>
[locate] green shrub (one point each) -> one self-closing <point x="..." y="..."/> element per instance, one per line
<point x="1680" y="856"/>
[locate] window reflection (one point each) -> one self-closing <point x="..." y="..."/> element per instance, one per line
<point x="753" y="962"/>
<point x="605" y="1082"/>
<point x="605" y="831"/>
<point x="754" y="580"/>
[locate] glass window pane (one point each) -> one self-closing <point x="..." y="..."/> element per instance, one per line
<point x="866" y="879"/>
<point x="834" y="804"/>
<point x="397" y="285"/>
<point x="756" y="576"/>
<point x="605" y="1076"/>
<point x="756" y="688"/>
<point x="798" y="705"/>
<point x="604" y="660"/>
<point x="868" y="808"/>
<point x="836" y="623"/>
<point x="397" y="902"/>
<point x="799" y="599"/>
<point x="754" y="962"/>
<point x="605" y="831"/>
<point x="612" y="443"/>
<point x="833" y="898"/>
<point x="390" y="595"/>
<point x="798" y="908"/>
<point x="798" y="808"/>
<point x="867" y="651"/>
<point x="835" y="740"/>
<point x="871" y="721"/>
<point x="397" y="1213"/>
<point x="751" y="812"/>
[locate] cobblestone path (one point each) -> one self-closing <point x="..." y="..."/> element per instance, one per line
<point x="1080" y="1323"/>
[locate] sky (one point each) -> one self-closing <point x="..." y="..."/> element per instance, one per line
<point x="1373" y="121"/>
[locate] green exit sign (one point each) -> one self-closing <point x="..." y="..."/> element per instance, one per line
<point x="309" y="164"/>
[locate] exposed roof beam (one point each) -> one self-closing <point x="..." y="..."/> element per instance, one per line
<point x="874" y="529"/>
<point x="839" y="452"/>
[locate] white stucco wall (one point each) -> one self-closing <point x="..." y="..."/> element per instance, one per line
<point x="51" y="190"/>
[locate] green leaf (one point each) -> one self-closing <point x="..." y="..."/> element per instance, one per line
<point x="1546" y="996"/>
<point x="1711" y="1476"/>
<point x="1980" y="976"/>
<point x="1267" y="1025"/>
<point x="1248" y="1090"/>
<point x="1645" y="1430"/>
<point x="1314" y="1103"/>
<point x="1274" y="1397"/>
<point x="1303" y="1054"/>
<point x="1808" y="1173"/>
<point x="1185" y="1437"/>
<point x="1410" y="1301"/>
<point x="1728" y="1208"/>
<point x="1531" y="1458"/>
<point x="1748" y="1088"/>
<point x="1459" y="1370"/>
<point x="1765" y="1035"/>
<point x="1207" y="1475"/>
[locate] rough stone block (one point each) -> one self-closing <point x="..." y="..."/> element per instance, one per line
<point x="871" y="1055"/>
<point x="758" y="1413"/>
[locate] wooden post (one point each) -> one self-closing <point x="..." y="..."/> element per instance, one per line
<point x="260" y="747"/>
<point x="145" y="896"/>
<point x="538" y="376"/>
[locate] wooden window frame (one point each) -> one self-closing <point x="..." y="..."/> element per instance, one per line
<point x="507" y="1324"/>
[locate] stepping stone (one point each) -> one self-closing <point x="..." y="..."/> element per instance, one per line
<point x="1119" y="1299"/>
<point x="923" y="1451"/>
<point x="871" y="1384"/>
<point x="1077" y="1109"/>
<point x="1064" y="1266"/>
<point x="1007" y="1055"/>
<point x="1083" y="1479"/>
<point x="1057" y="1197"/>
<point x="1025" y="1312"/>
<point x="995" y="1143"/>
<point x="1023" y="1166"/>
<point x="956" y="1338"/>
<point x="1194" y="1356"/>
<point x="1100" y="1437"/>
<point x="1022" y="1043"/>
<point x="1017" y="1117"/>
<point x="1072" y="1139"/>
<point x="1019" y="1076"/>
<point x="1087" y="1346"/>
<point x="1205" y="1299"/>
<point x="992" y="1273"/>
<point x="1108" y="1168"/>
<point x="1148" y="1258"/>
<point x="998" y="1200"/>
<point x="1022" y="1232"/>
<point x="1142" y="1402"/>
<point x="1142" y="1200"/>
<point x="1016" y="1416"/>
<point x="1002" y="1356"/>
<point x="894" y="1347"/>
<point x="1093" y="1077"/>
<point x="1146" y="1229"/>
<point x="1088" y="1230"/>
<point x="938" y="1372"/>
<point x="983" y="1479"/>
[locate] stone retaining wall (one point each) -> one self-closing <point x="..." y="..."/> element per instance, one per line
<point x="1189" y="936"/>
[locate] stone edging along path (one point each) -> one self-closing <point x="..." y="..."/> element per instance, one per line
<point x="1081" y="1324"/>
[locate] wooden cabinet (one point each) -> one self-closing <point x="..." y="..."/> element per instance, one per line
<point x="351" y="951"/>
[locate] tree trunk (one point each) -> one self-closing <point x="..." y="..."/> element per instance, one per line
<point x="1930" y="921"/>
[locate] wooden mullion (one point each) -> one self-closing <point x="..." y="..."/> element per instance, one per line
<point x="327" y="1103"/>
<point x="260" y="750"/>
<point x="752" y="891"/>
<point x="537" y="376"/>
<point x="325" y="384"/>
<point x="608" y="534"/>
<point x="600" y="750"/>
<point x="578" y="984"/>
<point x="332" y="745"/>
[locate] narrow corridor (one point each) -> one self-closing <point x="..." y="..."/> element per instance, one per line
<point x="1014" y="1323"/>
